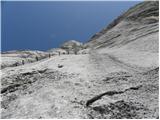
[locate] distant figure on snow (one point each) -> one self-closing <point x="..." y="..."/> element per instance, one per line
<point x="22" y="62"/>
<point x="36" y="58"/>
<point x="16" y="64"/>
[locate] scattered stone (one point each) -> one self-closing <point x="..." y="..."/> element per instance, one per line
<point x="118" y="110"/>
<point x="60" y="66"/>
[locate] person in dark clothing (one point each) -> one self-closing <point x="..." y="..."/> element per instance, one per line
<point x="36" y="58"/>
<point x="16" y="64"/>
<point x="22" y="62"/>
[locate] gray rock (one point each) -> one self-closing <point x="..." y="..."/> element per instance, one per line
<point x="138" y="25"/>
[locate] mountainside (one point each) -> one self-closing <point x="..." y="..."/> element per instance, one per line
<point x="115" y="75"/>
<point x="135" y="29"/>
<point x="16" y="58"/>
<point x="132" y="37"/>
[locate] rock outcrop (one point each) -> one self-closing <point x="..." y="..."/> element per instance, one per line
<point x="72" y="46"/>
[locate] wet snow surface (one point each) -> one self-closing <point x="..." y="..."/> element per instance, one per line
<point x="84" y="86"/>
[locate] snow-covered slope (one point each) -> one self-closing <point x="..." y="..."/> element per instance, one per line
<point x="111" y="88"/>
<point x="116" y="77"/>
<point x="134" y="28"/>
<point x="16" y="58"/>
<point x="133" y="36"/>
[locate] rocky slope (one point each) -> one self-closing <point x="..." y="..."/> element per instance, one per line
<point x="57" y="51"/>
<point x="72" y="46"/>
<point x="116" y="78"/>
<point x="138" y="24"/>
<point x="133" y="36"/>
<point x="68" y="47"/>
<point x="16" y="58"/>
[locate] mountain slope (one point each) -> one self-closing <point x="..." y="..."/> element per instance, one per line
<point x="115" y="78"/>
<point x="138" y="24"/>
<point x="15" y="58"/>
<point x="132" y="37"/>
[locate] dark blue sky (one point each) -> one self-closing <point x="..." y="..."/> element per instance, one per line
<point x="45" y="25"/>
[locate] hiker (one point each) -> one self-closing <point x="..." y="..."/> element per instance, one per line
<point x="68" y="52"/>
<point x="23" y="62"/>
<point x="49" y="55"/>
<point x="16" y="64"/>
<point x="36" y="58"/>
<point x="59" y="53"/>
